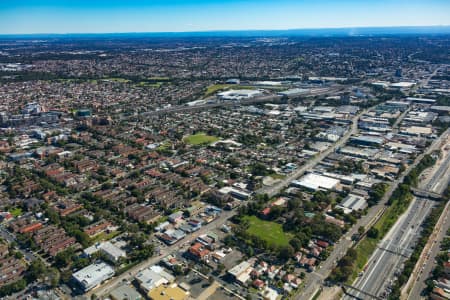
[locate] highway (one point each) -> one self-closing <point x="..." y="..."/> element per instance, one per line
<point x="401" y="239"/>
<point x="314" y="280"/>
<point x="426" y="262"/>
<point x="393" y="251"/>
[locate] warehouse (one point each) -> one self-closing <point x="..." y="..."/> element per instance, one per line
<point x="365" y="140"/>
<point x="93" y="275"/>
<point x="352" y="203"/>
<point x="239" y="94"/>
<point x="316" y="182"/>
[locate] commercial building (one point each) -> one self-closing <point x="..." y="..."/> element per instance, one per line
<point x="294" y="92"/>
<point x="316" y="182"/>
<point x="241" y="272"/>
<point x="93" y="275"/>
<point x="239" y="94"/>
<point x="352" y="203"/>
<point x="125" y="292"/>
<point x="366" y="140"/>
<point x="442" y="110"/>
<point x="417" y="131"/>
<point x="153" y="277"/>
<point x="171" y="292"/>
<point x="111" y="251"/>
<point x="421" y="100"/>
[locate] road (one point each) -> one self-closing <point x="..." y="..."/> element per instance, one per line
<point x="393" y="251"/>
<point x="105" y="288"/>
<point x="9" y="237"/>
<point x="426" y="262"/>
<point x="426" y="80"/>
<point x="402" y="237"/>
<point x="276" y="188"/>
<point x="315" y="279"/>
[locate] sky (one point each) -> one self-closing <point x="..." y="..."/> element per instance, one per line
<point x="114" y="16"/>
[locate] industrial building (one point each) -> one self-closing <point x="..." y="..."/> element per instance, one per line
<point x="153" y="277"/>
<point x="366" y="140"/>
<point x="112" y="252"/>
<point x="239" y="94"/>
<point x="93" y="275"/>
<point x="294" y="92"/>
<point x="316" y="182"/>
<point x="352" y="203"/>
<point x="125" y="292"/>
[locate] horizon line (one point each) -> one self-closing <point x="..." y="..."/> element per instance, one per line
<point x="447" y="26"/>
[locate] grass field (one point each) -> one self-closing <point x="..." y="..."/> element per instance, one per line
<point x="212" y="89"/>
<point x="16" y="212"/>
<point x="364" y="249"/>
<point x="200" y="139"/>
<point x="215" y="88"/>
<point x="270" y="231"/>
<point x="277" y="176"/>
<point x="148" y="84"/>
<point x="117" y="79"/>
<point x="391" y="216"/>
<point x="104" y="236"/>
<point x="159" y="78"/>
<point x="367" y="246"/>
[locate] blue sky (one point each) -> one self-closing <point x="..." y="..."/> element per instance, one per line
<point x="101" y="16"/>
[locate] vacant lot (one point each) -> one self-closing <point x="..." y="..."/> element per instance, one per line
<point x="200" y="139"/>
<point x="270" y="231"/>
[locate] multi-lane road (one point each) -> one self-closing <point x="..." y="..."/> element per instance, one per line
<point x="398" y="244"/>
<point x="314" y="280"/>
<point x="438" y="182"/>
<point x="392" y="251"/>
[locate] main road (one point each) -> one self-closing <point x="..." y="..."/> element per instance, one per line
<point x="276" y="188"/>
<point x="105" y="289"/>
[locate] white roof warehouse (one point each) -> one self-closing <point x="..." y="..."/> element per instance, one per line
<point x="93" y="275"/>
<point x="315" y="182"/>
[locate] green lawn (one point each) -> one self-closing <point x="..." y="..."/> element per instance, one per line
<point x="277" y="176"/>
<point x="117" y="79"/>
<point x="104" y="236"/>
<point x="270" y="231"/>
<point x="200" y="139"/>
<point x="364" y="249"/>
<point x="367" y="246"/>
<point x="212" y="89"/>
<point x="159" y="78"/>
<point x="391" y="216"/>
<point x="16" y="212"/>
<point x="148" y="84"/>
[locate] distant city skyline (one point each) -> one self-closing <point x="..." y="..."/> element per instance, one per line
<point x="113" y="16"/>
